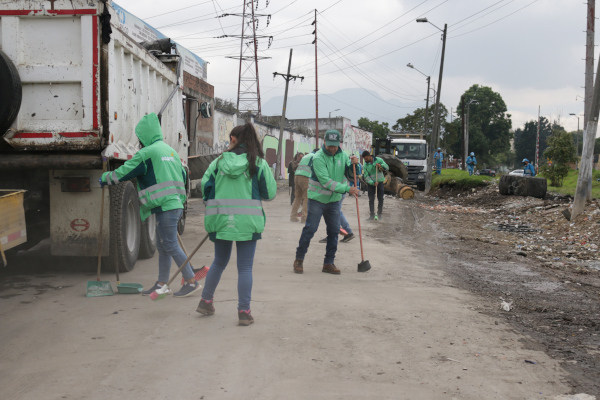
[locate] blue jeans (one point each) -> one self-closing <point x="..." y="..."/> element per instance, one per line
<point x="245" y="259"/>
<point x="331" y="214"/>
<point x="343" y="221"/>
<point x="167" y="245"/>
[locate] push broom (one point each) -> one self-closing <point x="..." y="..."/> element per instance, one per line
<point x="364" y="265"/>
<point x="161" y="293"/>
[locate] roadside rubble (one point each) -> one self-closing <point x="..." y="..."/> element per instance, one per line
<point x="531" y="227"/>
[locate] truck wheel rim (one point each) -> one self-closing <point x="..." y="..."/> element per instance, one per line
<point x="152" y="228"/>
<point x="131" y="225"/>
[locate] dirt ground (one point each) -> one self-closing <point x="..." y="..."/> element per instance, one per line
<point x="424" y="323"/>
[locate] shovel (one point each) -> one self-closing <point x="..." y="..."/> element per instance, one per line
<point x="100" y="288"/>
<point x="364" y="265"/>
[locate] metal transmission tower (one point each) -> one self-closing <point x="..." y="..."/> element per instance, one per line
<point x="248" y="99"/>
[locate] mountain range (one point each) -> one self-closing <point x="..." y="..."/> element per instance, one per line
<point x="353" y="103"/>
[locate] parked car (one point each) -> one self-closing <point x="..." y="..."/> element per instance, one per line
<point x="517" y="172"/>
<point x="488" y="172"/>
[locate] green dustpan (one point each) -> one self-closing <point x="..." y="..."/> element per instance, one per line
<point x="98" y="289"/>
<point x="129" y="288"/>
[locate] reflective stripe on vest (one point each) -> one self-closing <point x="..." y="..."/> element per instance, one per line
<point x="233" y="207"/>
<point x="303" y="168"/>
<point x="316" y="186"/>
<point x="160" y="186"/>
<point x="162" y="193"/>
<point x="233" y="202"/>
<point x="112" y="179"/>
<point x="332" y="183"/>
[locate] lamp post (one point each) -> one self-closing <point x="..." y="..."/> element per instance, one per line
<point x="409" y="65"/>
<point x="436" y="118"/>
<point x="577" y="148"/>
<point x="337" y="109"/>
<point x="472" y="101"/>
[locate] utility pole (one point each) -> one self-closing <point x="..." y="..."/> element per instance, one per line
<point x="436" y="117"/>
<point x="427" y="106"/>
<point x="248" y="98"/>
<point x="584" y="179"/>
<point x="537" y="143"/>
<point x="316" y="81"/>
<point x="589" y="81"/>
<point x="465" y="149"/>
<point x="287" y="78"/>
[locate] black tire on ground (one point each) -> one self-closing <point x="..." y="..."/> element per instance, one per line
<point x="396" y="166"/>
<point x="148" y="238"/>
<point x="11" y="93"/>
<point x="523" y="186"/>
<point x="125" y="227"/>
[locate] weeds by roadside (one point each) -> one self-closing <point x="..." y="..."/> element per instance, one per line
<point x="455" y="178"/>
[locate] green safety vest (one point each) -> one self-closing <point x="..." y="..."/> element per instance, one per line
<point x="156" y="167"/>
<point x="304" y="168"/>
<point x="233" y="199"/>
<point x="330" y="174"/>
<point x="370" y="171"/>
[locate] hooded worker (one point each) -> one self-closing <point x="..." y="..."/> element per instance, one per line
<point x="438" y="157"/>
<point x="528" y="169"/>
<point x="471" y="163"/>
<point x="161" y="189"/>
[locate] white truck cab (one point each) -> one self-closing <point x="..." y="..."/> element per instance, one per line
<point x="413" y="153"/>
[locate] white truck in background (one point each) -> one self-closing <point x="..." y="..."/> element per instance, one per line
<point x="74" y="82"/>
<point x="413" y="153"/>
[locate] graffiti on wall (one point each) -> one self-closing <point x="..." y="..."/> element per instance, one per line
<point x="356" y="140"/>
<point x="224" y="127"/>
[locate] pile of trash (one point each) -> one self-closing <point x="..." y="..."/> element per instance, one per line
<point x="534" y="227"/>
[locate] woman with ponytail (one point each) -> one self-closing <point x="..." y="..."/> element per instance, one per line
<point x="233" y="187"/>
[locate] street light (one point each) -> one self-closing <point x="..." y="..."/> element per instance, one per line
<point x="436" y="118"/>
<point x="409" y="65"/>
<point x="337" y="109"/>
<point x="577" y="148"/>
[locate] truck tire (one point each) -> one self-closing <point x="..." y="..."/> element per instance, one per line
<point x="11" y="93"/>
<point x="125" y="226"/>
<point x="396" y="166"/>
<point x="148" y="237"/>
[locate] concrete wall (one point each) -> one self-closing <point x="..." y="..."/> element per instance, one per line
<point x="293" y="142"/>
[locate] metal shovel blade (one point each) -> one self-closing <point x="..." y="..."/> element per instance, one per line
<point x="98" y="289"/>
<point x="364" y="266"/>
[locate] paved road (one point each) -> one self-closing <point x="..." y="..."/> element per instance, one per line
<point x="401" y="331"/>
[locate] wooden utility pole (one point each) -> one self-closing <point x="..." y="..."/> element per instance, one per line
<point x="465" y="148"/>
<point x="537" y="143"/>
<point x="316" y="81"/>
<point x="287" y="78"/>
<point x="436" y="117"/>
<point x="427" y="106"/>
<point x="589" y="75"/>
<point x="584" y="179"/>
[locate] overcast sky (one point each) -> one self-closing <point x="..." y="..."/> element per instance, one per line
<point x="530" y="51"/>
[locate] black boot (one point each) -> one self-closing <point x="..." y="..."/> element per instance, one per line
<point x="371" y="218"/>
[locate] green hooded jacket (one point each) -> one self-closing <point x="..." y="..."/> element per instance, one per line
<point x="233" y="199"/>
<point x="370" y="171"/>
<point x="330" y="174"/>
<point x="304" y="169"/>
<point x="157" y="167"/>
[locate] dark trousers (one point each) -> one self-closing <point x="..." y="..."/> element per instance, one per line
<point x="371" y="189"/>
<point x="331" y="214"/>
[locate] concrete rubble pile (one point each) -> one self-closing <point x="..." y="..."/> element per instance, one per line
<point x="532" y="227"/>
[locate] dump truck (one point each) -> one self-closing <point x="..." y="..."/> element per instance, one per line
<point x="75" y="78"/>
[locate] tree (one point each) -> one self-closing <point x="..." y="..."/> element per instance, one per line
<point x="525" y="139"/>
<point x="489" y="124"/>
<point x="452" y="138"/>
<point x="379" y="130"/>
<point x="560" y="153"/>
<point x="416" y="120"/>
<point x="225" y="105"/>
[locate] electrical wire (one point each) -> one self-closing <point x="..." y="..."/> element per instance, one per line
<point x="339" y="1"/>
<point x="219" y="19"/>
<point x="493" y="22"/>
<point x="179" y="9"/>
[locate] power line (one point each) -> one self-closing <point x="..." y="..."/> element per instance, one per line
<point x="339" y="1"/>
<point x="493" y="22"/>
<point x="179" y="9"/>
<point x="488" y="13"/>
